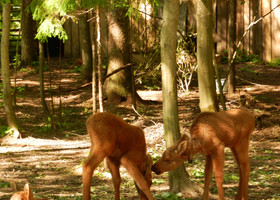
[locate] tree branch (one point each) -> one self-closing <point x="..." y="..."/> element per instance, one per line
<point x="244" y="34"/>
<point x="116" y="71"/>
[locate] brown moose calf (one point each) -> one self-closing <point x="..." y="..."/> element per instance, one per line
<point x="120" y="143"/>
<point x="210" y="133"/>
<point x="26" y="194"/>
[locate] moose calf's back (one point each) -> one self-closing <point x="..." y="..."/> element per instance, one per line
<point x="227" y="126"/>
<point x="106" y="129"/>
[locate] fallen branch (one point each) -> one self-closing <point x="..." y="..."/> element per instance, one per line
<point x="116" y="71"/>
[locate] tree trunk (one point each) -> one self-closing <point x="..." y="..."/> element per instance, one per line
<point x="99" y="60"/>
<point x="257" y="28"/>
<point x="92" y="28"/>
<point x="205" y="49"/>
<point x="5" y="70"/>
<point x="27" y="41"/>
<point x="104" y="33"/>
<point x="118" y="85"/>
<point x="232" y="45"/>
<point x="85" y="48"/>
<point x="178" y="178"/>
<point x="41" y="76"/>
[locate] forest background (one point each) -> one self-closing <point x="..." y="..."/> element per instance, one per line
<point x="68" y="94"/>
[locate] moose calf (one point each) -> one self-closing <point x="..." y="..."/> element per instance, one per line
<point x="120" y="143"/>
<point x="210" y="133"/>
<point x="26" y="194"/>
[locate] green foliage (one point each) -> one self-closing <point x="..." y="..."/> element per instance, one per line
<point x="51" y="15"/>
<point x="169" y="196"/>
<point x="51" y="27"/>
<point x="243" y="56"/>
<point x="246" y="69"/>
<point x="90" y="3"/>
<point x="198" y="173"/>
<point x="5" y="130"/>
<point x="132" y="6"/>
<point x="274" y="62"/>
<point x="4" y="184"/>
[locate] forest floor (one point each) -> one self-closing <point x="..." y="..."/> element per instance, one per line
<point x="50" y="160"/>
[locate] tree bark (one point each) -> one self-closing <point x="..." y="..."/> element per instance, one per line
<point x="92" y="28"/>
<point x="85" y="48"/>
<point x="5" y="70"/>
<point x="232" y="46"/>
<point x="41" y="76"/>
<point x="178" y="178"/>
<point x="118" y="85"/>
<point x="104" y="34"/>
<point x="27" y="41"/>
<point x="99" y="59"/>
<point x="205" y="50"/>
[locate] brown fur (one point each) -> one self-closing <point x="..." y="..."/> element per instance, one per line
<point x="120" y="143"/>
<point x="210" y="134"/>
<point x="26" y="194"/>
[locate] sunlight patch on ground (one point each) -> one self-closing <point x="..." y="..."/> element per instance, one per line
<point x="30" y="144"/>
<point x="27" y="82"/>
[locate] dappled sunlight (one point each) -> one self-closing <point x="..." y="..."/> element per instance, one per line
<point x="31" y="144"/>
<point x="146" y="9"/>
<point x="25" y="82"/>
<point x="53" y="166"/>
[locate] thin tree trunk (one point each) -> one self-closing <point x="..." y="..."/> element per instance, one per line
<point x="104" y="34"/>
<point x="27" y="39"/>
<point x="5" y="70"/>
<point x="85" y="48"/>
<point x="41" y="76"/>
<point x="99" y="60"/>
<point x="205" y="50"/>
<point x="92" y="27"/>
<point x="232" y="46"/>
<point x="178" y="178"/>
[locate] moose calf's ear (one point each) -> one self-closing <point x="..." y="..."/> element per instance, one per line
<point x="27" y="191"/>
<point x="182" y="148"/>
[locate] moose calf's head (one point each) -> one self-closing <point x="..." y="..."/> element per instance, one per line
<point x="147" y="173"/>
<point x="26" y="194"/>
<point x="174" y="156"/>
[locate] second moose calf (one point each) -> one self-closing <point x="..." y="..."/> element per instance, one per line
<point x="210" y="133"/>
<point x="121" y="144"/>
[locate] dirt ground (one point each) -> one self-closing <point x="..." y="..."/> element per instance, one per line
<point x="50" y="160"/>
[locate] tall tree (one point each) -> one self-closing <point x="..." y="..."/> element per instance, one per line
<point x="117" y="86"/>
<point x="232" y="45"/>
<point x="205" y="48"/>
<point x="5" y="69"/>
<point x="178" y="179"/>
<point x="27" y="35"/>
<point x="86" y="49"/>
<point x="99" y="58"/>
<point x="41" y="76"/>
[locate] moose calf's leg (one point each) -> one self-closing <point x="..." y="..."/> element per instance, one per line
<point x="242" y="154"/>
<point x="208" y="175"/>
<point x="114" y="167"/>
<point x="238" y="196"/>
<point x="218" y="163"/>
<point x="137" y="176"/>
<point x="89" y="166"/>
